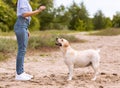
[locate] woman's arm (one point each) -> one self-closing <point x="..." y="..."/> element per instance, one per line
<point x="27" y="14"/>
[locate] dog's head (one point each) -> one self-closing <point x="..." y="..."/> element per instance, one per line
<point x="61" y="42"/>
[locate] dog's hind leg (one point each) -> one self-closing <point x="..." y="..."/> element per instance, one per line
<point x="95" y="67"/>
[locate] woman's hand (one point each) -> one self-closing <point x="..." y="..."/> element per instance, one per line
<point x="27" y="14"/>
<point x="28" y="34"/>
<point x="41" y="8"/>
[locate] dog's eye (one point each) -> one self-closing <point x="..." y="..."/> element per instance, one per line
<point x="62" y="40"/>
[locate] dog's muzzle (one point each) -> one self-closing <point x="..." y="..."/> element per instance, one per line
<point x="57" y="43"/>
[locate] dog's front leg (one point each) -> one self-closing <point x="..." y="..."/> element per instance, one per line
<point x="70" y="72"/>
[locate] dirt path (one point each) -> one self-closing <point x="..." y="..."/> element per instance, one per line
<point x="50" y="71"/>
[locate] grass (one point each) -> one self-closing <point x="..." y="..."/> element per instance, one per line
<point x="43" y="40"/>
<point x="6" y="46"/>
<point x="7" y="33"/>
<point x="56" y="32"/>
<point x="106" y="32"/>
<point x="3" y="56"/>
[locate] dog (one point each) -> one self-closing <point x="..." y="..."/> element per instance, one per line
<point x="74" y="59"/>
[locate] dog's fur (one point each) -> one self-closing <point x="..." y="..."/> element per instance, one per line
<point x="74" y="58"/>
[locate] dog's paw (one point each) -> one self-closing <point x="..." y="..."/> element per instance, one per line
<point x="69" y="79"/>
<point x="93" y="79"/>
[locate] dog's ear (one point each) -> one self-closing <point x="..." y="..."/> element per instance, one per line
<point x="66" y="44"/>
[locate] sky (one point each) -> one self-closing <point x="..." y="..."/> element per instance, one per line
<point x="108" y="7"/>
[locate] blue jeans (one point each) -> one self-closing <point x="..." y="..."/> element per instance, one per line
<point x="20" y="29"/>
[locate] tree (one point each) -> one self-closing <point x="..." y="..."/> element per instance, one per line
<point x="80" y="25"/>
<point x="47" y="16"/>
<point x="61" y="18"/>
<point x="99" y="20"/>
<point x="74" y="11"/>
<point x="79" y="14"/>
<point x="7" y="17"/>
<point x="108" y="22"/>
<point x="116" y="20"/>
<point x="11" y="3"/>
<point x="75" y="17"/>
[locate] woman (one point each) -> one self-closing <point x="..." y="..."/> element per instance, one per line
<point x="24" y="13"/>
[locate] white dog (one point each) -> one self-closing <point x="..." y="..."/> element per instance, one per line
<point x="76" y="59"/>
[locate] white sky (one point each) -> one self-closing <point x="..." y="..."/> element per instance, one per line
<point x="108" y="7"/>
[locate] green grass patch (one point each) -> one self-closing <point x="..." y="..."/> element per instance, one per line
<point x="6" y="46"/>
<point x="7" y="33"/>
<point x="47" y="42"/>
<point x="106" y="32"/>
<point x="40" y="40"/>
<point x="46" y="39"/>
<point x="47" y="32"/>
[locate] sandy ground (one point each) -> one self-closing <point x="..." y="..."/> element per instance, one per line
<point x="50" y="71"/>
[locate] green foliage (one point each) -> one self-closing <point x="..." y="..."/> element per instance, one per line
<point x="41" y="42"/>
<point x="108" y="23"/>
<point x="99" y="20"/>
<point x="79" y="18"/>
<point x="7" y="45"/>
<point x="80" y="25"/>
<point x="35" y="4"/>
<point x="74" y="11"/>
<point x="11" y="3"/>
<point x="75" y="17"/>
<point x="35" y="24"/>
<point x="47" y="16"/>
<point x="7" y="17"/>
<point x="38" y="40"/>
<point x="61" y="18"/>
<point x="48" y="41"/>
<point x="7" y="33"/>
<point x="46" y="19"/>
<point x="116" y="20"/>
<point x="71" y="38"/>
<point x="3" y="27"/>
<point x="90" y="25"/>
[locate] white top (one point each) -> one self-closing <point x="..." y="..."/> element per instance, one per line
<point x="23" y="6"/>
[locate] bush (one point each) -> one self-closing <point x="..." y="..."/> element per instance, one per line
<point x="44" y="41"/>
<point x="48" y="41"/>
<point x="3" y="27"/>
<point x="71" y="38"/>
<point x="7" y="45"/>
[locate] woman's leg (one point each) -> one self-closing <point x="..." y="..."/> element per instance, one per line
<point x="22" y="40"/>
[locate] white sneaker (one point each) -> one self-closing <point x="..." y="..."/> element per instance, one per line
<point x="28" y="75"/>
<point x="22" y="76"/>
